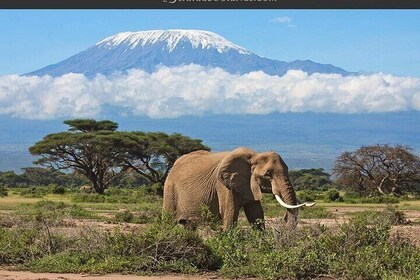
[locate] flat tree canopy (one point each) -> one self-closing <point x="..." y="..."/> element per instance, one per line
<point x="100" y="153"/>
<point x="89" y="125"/>
<point x="381" y="168"/>
<point x="86" y="148"/>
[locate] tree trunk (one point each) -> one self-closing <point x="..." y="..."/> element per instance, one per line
<point x="379" y="187"/>
<point x="98" y="186"/>
<point x="396" y="190"/>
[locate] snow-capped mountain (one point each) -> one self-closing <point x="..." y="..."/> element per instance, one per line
<point x="172" y="38"/>
<point x="147" y="49"/>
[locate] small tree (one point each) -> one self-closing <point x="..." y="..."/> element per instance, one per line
<point x="86" y="147"/>
<point x="384" y="168"/>
<point x="152" y="154"/>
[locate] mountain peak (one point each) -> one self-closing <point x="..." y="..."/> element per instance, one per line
<point x="147" y="50"/>
<point x="172" y="38"/>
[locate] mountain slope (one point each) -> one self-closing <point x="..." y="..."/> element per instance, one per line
<point x="148" y="49"/>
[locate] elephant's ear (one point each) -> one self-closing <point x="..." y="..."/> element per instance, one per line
<point x="235" y="173"/>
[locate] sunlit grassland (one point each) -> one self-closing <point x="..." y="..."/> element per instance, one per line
<point x="15" y="202"/>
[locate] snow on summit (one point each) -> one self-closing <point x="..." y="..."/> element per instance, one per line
<point x="198" y="39"/>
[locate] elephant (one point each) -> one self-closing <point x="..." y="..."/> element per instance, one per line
<point x="86" y="188"/>
<point x="225" y="182"/>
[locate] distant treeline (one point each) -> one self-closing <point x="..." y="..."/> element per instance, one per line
<point x="314" y="179"/>
<point x="37" y="176"/>
<point x="304" y="179"/>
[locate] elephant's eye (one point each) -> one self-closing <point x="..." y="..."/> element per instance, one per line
<point x="268" y="174"/>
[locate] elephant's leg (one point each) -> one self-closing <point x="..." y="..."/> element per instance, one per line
<point x="230" y="217"/>
<point x="255" y="214"/>
<point x="192" y="200"/>
<point x="229" y="205"/>
<point x="229" y="209"/>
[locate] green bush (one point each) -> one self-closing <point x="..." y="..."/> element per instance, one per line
<point x="306" y="195"/>
<point x="41" y="191"/>
<point x="51" y="210"/>
<point x="58" y="189"/>
<point x="162" y="246"/>
<point x="207" y="219"/>
<point x="125" y="216"/>
<point x="380" y="199"/>
<point x="356" y="250"/>
<point x="34" y="192"/>
<point x="352" y="195"/>
<point x="390" y="215"/>
<point x="3" y="191"/>
<point x="14" y="245"/>
<point x="333" y="195"/>
<point x="157" y="189"/>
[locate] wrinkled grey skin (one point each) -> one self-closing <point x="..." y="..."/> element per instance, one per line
<point x="227" y="182"/>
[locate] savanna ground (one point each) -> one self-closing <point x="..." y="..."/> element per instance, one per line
<point x="121" y="235"/>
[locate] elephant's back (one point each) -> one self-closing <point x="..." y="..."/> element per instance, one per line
<point x="195" y="166"/>
<point x="200" y="158"/>
<point x="191" y="156"/>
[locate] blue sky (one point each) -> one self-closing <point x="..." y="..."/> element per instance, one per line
<point x="369" y="40"/>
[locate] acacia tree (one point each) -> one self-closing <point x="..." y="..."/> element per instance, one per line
<point x="152" y="154"/>
<point x="86" y="148"/>
<point x="384" y="168"/>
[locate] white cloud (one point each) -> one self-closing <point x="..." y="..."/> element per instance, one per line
<point x="196" y="90"/>
<point x="282" y="19"/>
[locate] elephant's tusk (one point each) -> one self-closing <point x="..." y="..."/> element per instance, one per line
<point x="284" y="204"/>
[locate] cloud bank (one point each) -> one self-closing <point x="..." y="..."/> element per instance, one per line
<point x="197" y="90"/>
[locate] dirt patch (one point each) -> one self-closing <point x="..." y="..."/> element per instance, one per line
<point x="75" y="226"/>
<point x="86" y="223"/>
<point x="345" y="211"/>
<point x="411" y="232"/>
<point x="412" y="215"/>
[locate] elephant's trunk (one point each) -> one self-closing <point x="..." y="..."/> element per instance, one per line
<point x="285" y="194"/>
<point x="286" y="197"/>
